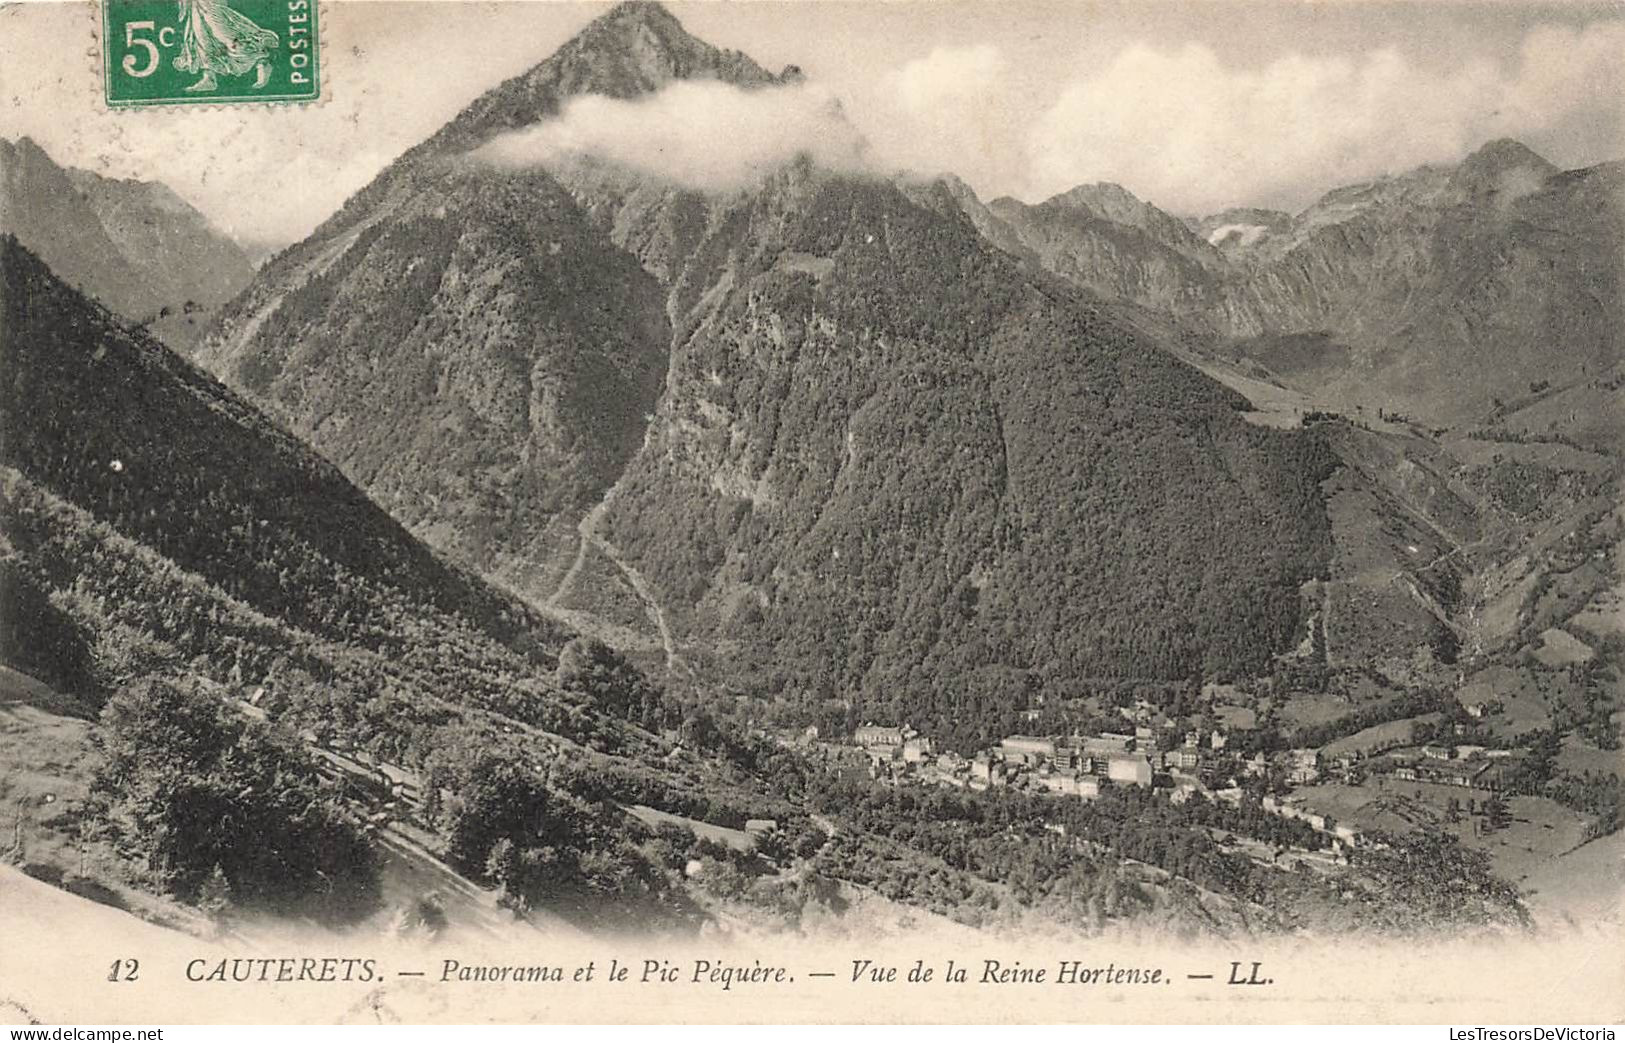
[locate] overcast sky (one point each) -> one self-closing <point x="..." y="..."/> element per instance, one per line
<point x="1195" y="105"/>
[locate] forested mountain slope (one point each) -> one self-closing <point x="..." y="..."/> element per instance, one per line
<point x="890" y="466"/>
<point x="877" y="459"/>
<point x="466" y="343"/>
<point x="141" y="491"/>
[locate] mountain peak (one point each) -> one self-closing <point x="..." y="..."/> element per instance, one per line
<point x="648" y="13"/>
<point x="1503" y="167"/>
<point x="1103" y="198"/>
<point x="634" y="24"/>
<point x="1504" y="153"/>
<point x="1110" y="202"/>
<point x="641" y="46"/>
<point x="633" y="49"/>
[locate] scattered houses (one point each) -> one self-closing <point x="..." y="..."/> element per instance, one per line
<point x="1074" y="765"/>
<point x="1183" y="759"/>
<point x="916" y="749"/>
<point x="1304" y="767"/>
<point x="880" y="734"/>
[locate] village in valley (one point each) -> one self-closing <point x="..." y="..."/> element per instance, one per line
<point x="1441" y="771"/>
<point x="1444" y="772"/>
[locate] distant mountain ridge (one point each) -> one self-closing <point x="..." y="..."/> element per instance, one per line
<point x="1454" y="290"/>
<point x="134" y="245"/>
<point x="1440" y="292"/>
<point x="1101" y="238"/>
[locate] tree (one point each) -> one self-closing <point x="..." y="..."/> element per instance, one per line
<point x="500" y="800"/>
<point x="700" y="731"/>
<point x="502" y="868"/>
<point x="1446" y="645"/>
<point x="593" y="669"/>
<point x="1541" y="764"/>
<point x="214" y="897"/>
<point x="425" y="914"/>
<point x="774" y="847"/>
<point x="191" y="788"/>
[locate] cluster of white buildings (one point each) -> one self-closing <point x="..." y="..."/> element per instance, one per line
<point x="1075" y="765"/>
<point x="1081" y="765"/>
<point x="1476" y="769"/>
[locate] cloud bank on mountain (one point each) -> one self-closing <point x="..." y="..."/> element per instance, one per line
<point x="706" y="136"/>
<point x="1183" y="128"/>
<point x="947" y="112"/>
<point x="1190" y="111"/>
<point x="1180" y="125"/>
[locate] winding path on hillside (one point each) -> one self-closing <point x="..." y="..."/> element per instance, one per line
<point x="585" y="529"/>
<point x="589" y="537"/>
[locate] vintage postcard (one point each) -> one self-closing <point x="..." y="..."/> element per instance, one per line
<point x="964" y="511"/>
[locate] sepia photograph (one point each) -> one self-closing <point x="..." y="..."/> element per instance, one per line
<point x="812" y="511"/>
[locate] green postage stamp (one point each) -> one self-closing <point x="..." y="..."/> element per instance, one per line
<point x="179" y="52"/>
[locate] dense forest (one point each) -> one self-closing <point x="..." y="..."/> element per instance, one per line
<point x="918" y="479"/>
<point x="214" y="805"/>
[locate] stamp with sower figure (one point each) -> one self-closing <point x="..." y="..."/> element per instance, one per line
<point x="178" y="52"/>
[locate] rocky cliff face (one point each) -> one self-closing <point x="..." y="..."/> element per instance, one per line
<point x="134" y="245"/>
<point x="1102" y="238"/>
<point x="480" y="361"/>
